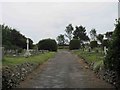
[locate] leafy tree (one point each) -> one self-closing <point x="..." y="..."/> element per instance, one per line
<point x="13" y="39"/>
<point x="30" y="43"/>
<point x="61" y="39"/>
<point x="93" y="34"/>
<point x="74" y="44"/>
<point x="109" y="35"/>
<point x="80" y="34"/>
<point x="112" y="60"/>
<point x="69" y="31"/>
<point x="100" y="38"/>
<point x="105" y="43"/>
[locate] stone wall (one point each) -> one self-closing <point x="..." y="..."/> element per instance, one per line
<point x="107" y="75"/>
<point x="11" y="76"/>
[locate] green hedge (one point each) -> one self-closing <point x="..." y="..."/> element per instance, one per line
<point x="47" y="44"/>
<point x="74" y="44"/>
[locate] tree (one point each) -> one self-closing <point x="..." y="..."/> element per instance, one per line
<point x="100" y="38"/>
<point x="69" y="31"/>
<point x="61" y="39"/>
<point x="13" y="39"/>
<point x="93" y="34"/>
<point x="109" y="35"/>
<point x="80" y="34"/>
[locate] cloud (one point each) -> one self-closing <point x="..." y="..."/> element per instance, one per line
<point x="39" y="20"/>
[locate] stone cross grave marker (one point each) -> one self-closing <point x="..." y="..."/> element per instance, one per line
<point x="27" y="53"/>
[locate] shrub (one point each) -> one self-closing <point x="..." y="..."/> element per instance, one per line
<point x="112" y="60"/>
<point x="74" y="44"/>
<point x="93" y="44"/>
<point x="47" y="44"/>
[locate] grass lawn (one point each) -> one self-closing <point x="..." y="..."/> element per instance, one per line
<point x="91" y="57"/>
<point x="10" y="60"/>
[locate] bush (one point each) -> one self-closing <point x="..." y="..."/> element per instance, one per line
<point x="112" y="60"/>
<point x="47" y="44"/>
<point x="93" y="44"/>
<point x="74" y="44"/>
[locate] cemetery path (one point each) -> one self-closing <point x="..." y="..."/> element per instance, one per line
<point x="65" y="70"/>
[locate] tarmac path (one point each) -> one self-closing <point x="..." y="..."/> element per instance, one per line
<point x="65" y="70"/>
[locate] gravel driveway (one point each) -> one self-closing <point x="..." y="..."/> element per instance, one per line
<point x="65" y="70"/>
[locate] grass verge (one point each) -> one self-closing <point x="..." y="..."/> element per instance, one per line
<point x="9" y="60"/>
<point x="92" y="57"/>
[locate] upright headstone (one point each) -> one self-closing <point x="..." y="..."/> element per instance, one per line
<point x="89" y="49"/>
<point x="105" y="50"/>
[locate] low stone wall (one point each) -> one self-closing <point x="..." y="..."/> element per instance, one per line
<point x="107" y="75"/>
<point x="11" y="76"/>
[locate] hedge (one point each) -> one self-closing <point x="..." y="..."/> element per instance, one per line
<point x="74" y="44"/>
<point x="47" y="44"/>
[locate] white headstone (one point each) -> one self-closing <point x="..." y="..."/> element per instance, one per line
<point x="105" y="50"/>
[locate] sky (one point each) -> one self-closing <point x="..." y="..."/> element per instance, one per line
<point x="40" y="20"/>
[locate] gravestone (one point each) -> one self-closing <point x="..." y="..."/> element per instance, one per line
<point x="105" y="50"/>
<point x="89" y="49"/>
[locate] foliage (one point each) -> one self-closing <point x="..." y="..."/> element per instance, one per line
<point x="69" y="31"/>
<point x="80" y="34"/>
<point x="93" y="44"/>
<point x="112" y="60"/>
<point x="13" y="39"/>
<point x="61" y="39"/>
<point x="100" y="38"/>
<point x="9" y="60"/>
<point x="105" y="43"/>
<point x="74" y="44"/>
<point x="108" y="35"/>
<point x="97" y="65"/>
<point x="47" y="44"/>
<point x="93" y="34"/>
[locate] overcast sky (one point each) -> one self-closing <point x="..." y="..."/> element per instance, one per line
<point x="39" y="20"/>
